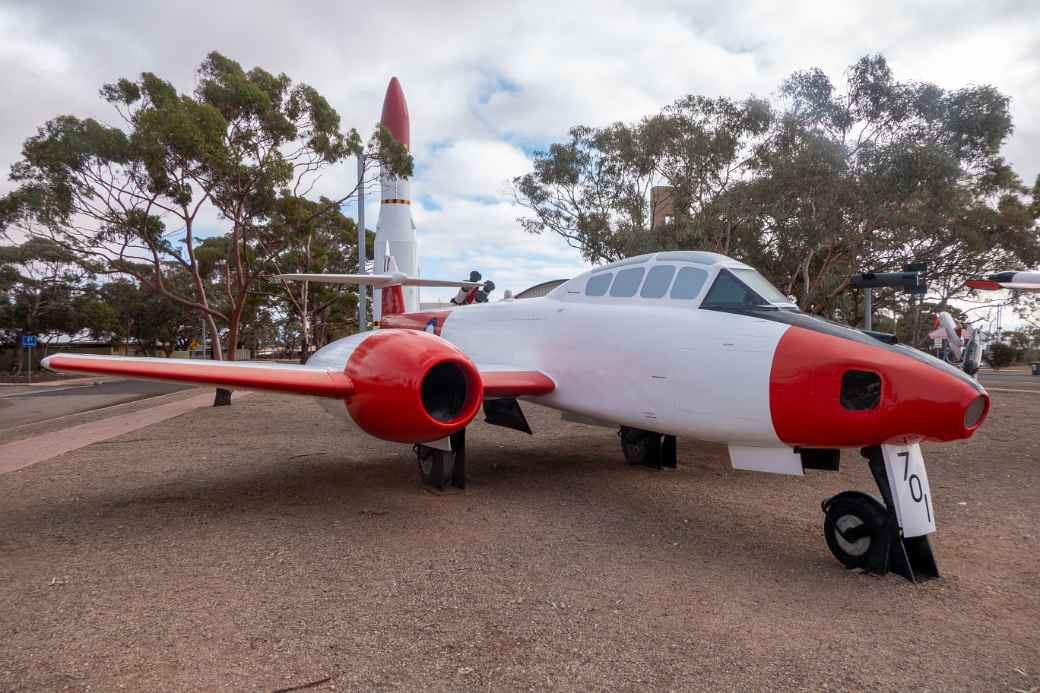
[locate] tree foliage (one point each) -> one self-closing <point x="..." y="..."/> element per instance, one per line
<point x="228" y="162"/>
<point x="1000" y="355"/>
<point x="823" y="182"/>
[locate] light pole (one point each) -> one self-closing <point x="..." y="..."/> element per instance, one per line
<point x="362" y="255"/>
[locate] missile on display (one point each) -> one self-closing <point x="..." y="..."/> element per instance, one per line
<point x="1019" y="281"/>
<point x="395" y="230"/>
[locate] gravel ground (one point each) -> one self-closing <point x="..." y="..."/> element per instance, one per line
<point x="262" y="547"/>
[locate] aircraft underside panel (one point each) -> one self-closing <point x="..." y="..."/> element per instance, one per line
<point x="773" y="460"/>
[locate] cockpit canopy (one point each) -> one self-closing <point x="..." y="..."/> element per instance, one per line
<point x="680" y="278"/>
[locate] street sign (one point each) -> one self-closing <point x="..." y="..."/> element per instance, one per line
<point x="28" y="341"/>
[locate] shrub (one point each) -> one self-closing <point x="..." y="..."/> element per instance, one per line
<point x="1001" y="355"/>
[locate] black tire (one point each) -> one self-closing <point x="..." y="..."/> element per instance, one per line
<point x="431" y="466"/>
<point x="641" y="448"/>
<point x="857" y="531"/>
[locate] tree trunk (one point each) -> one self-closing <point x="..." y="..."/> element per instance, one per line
<point x="305" y="340"/>
<point x="222" y="397"/>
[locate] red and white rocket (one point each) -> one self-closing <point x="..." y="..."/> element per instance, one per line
<point x="395" y="231"/>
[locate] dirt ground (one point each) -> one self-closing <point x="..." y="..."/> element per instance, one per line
<point x="262" y="547"/>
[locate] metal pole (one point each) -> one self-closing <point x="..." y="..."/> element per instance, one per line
<point x="868" y="309"/>
<point x="362" y="254"/>
<point x="30" y="363"/>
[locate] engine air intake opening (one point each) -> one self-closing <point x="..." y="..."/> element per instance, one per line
<point x="444" y="391"/>
<point x="860" y="390"/>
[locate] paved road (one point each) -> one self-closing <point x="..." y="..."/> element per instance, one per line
<point x="1009" y="379"/>
<point x="32" y="407"/>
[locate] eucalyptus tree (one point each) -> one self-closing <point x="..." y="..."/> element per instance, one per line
<point x="822" y="182"/>
<point x="43" y="292"/>
<point x="317" y="244"/>
<point x="594" y="189"/>
<point x="219" y="161"/>
<point x="880" y="173"/>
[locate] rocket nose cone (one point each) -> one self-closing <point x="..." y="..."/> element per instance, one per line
<point x="395" y="113"/>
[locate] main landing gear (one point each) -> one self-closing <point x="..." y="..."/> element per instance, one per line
<point x="440" y="469"/>
<point x="863" y="532"/>
<point x="647" y="449"/>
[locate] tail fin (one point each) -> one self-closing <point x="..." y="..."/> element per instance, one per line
<point x="392" y="299"/>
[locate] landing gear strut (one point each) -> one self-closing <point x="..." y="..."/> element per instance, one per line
<point x="863" y="532"/>
<point x="647" y="449"/>
<point x="438" y="468"/>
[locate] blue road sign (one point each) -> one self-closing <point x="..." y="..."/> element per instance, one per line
<point x="29" y="340"/>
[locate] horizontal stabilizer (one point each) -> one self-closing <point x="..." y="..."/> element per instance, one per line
<point x="376" y="280"/>
<point x="276" y="377"/>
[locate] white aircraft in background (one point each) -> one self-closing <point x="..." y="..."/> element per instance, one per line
<point x="963" y="346"/>
<point x="663" y="345"/>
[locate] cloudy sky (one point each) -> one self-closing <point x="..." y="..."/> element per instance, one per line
<point x="487" y="83"/>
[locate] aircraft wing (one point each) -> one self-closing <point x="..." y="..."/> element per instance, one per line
<point x="503" y="381"/>
<point x="293" y="379"/>
<point x="277" y="377"/>
<point x="377" y="280"/>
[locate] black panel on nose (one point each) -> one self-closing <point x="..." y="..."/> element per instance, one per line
<point x="860" y="390"/>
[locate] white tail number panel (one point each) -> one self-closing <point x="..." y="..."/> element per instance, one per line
<point x="910" y="492"/>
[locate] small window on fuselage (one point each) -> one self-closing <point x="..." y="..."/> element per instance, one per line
<point x="598" y="284"/>
<point x="689" y="283"/>
<point x="626" y="282"/>
<point x="657" y="281"/>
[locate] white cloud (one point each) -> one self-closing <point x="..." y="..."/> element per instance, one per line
<point x="483" y="78"/>
<point x="472" y="168"/>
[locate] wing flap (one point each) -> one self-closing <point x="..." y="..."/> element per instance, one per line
<point x="275" y="377"/>
<point x="510" y="383"/>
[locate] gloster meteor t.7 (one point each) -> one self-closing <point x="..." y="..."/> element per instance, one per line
<point x="673" y="344"/>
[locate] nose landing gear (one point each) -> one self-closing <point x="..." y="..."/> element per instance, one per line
<point x="857" y="532"/>
<point x="864" y="533"/>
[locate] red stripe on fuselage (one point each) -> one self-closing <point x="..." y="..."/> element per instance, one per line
<point x="426" y="321"/>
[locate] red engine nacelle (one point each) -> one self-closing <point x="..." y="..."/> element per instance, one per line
<point x="412" y="387"/>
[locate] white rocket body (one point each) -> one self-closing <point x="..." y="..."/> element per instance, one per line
<point x="395" y="229"/>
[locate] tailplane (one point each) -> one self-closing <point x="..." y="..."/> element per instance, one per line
<point x="391" y="282"/>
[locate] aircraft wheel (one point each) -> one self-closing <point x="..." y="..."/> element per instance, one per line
<point x="641" y="448"/>
<point x="856" y="528"/>
<point x="432" y="467"/>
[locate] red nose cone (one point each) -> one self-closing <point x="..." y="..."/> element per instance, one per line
<point x="395" y="113"/>
<point x="826" y="391"/>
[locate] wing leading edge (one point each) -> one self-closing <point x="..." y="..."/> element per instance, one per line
<point x="509" y="383"/>
<point x="276" y="377"/>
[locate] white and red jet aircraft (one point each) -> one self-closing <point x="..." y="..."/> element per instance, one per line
<point x="663" y="345"/>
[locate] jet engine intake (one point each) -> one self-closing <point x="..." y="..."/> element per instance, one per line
<point x="412" y="386"/>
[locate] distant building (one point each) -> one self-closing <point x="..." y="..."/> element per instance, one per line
<point x="662" y="208"/>
<point x="539" y="290"/>
<point x="435" y="305"/>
